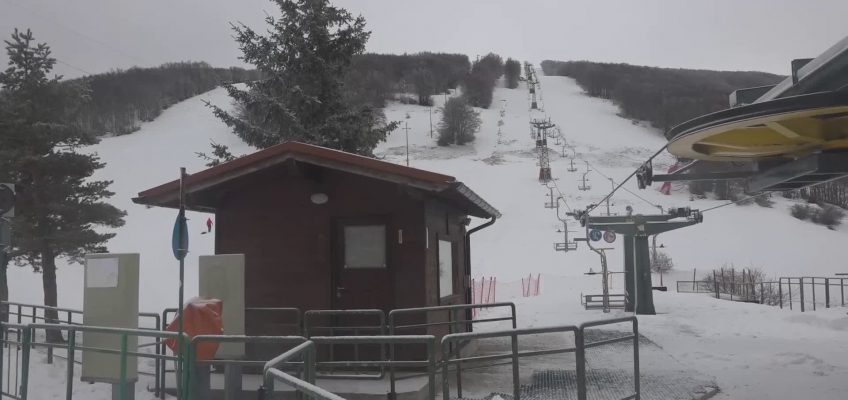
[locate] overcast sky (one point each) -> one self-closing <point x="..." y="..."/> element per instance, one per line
<point x="91" y="36"/>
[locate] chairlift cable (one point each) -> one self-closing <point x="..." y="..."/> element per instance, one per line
<point x="625" y="189"/>
<point x="632" y="174"/>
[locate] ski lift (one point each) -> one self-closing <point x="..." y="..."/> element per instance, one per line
<point x="645" y="175"/>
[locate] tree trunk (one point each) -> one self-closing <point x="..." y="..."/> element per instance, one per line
<point x="48" y="279"/>
<point x="4" y="286"/>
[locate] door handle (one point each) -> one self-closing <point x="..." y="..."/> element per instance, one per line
<point x="339" y="291"/>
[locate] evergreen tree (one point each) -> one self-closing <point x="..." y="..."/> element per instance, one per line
<point x="512" y="71"/>
<point x="459" y="122"/>
<point x="303" y="60"/>
<point x="57" y="205"/>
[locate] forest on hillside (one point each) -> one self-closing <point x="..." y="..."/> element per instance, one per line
<point x="664" y="97"/>
<point x="374" y="79"/>
<point x="121" y="100"/>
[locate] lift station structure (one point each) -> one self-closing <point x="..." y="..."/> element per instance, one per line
<point x="783" y="137"/>
<point x="775" y="138"/>
<point x="637" y="257"/>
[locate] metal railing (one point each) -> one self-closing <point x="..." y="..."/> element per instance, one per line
<point x="695" y="287"/>
<point x="23" y="313"/>
<point x="34" y="313"/>
<point x="785" y="292"/>
<point x="454" y="319"/>
<point x="292" y="317"/>
<point x="596" y="301"/>
<point x="26" y="341"/>
<point x="454" y="322"/>
<point x="341" y="323"/>
<point x="805" y="289"/>
<point x="451" y="356"/>
<point x="12" y="381"/>
<point x="307" y="352"/>
<point x="582" y="345"/>
<point x="199" y="375"/>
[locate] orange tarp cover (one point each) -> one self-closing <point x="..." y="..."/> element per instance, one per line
<point x="201" y="317"/>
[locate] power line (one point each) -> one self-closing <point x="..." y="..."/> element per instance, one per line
<point x="74" y="31"/>
<point x="73" y="67"/>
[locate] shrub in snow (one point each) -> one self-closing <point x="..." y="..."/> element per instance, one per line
<point x="739" y="196"/>
<point x="459" y="122"/>
<point x="830" y="216"/>
<point x="764" y="201"/>
<point x="661" y="262"/>
<point x="801" y="211"/>
<point x="747" y="284"/>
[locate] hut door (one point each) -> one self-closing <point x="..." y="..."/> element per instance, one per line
<point x="362" y="276"/>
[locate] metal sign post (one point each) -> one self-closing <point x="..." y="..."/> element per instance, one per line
<point x="179" y="245"/>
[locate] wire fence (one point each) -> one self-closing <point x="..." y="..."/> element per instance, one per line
<point x="802" y="293"/>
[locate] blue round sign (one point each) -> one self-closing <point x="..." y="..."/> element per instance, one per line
<point x="595" y="235"/>
<point x="179" y="238"/>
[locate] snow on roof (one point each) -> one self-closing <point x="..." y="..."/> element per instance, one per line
<point x="446" y="186"/>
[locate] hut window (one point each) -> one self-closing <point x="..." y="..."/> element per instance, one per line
<point x="445" y="268"/>
<point x="365" y="246"/>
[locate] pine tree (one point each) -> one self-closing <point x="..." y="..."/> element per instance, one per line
<point x="300" y="96"/>
<point x="58" y="204"/>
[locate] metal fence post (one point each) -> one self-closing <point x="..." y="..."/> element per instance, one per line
<point x="4" y="336"/>
<point x="516" y="378"/>
<point x="445" y="365"/>
<point x="826" y="292"/>
<point x="636" y="383"/>
<point x="69" y="384"/>
<point x="789" y="282"/>
<point x="123" y="380"/>
<point x="431" y="369"/>
<point x="813" y="287"/>
<point x="780" y="291"/>
<point x="802" y="293"/>
<point x="580" y="353"/>
<point x="27" y="347"/>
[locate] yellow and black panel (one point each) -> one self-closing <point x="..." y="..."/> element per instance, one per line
<point x="788" y="127"/>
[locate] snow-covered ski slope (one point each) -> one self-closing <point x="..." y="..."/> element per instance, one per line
<point x="752" y="351"/>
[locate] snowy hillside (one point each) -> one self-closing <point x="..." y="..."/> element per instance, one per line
<point x="734" y="338"/>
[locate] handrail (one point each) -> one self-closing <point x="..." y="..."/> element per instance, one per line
<point x="307" y="351"/>
<point x="379" y="328"/>
<point x="582" y="346"/>
<point x="193" y="362"/>
<point x="514" y="354"/>
<point x="28" y="342"/>
<point x="393" y="327"/>
<point x="424" y="310"/>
